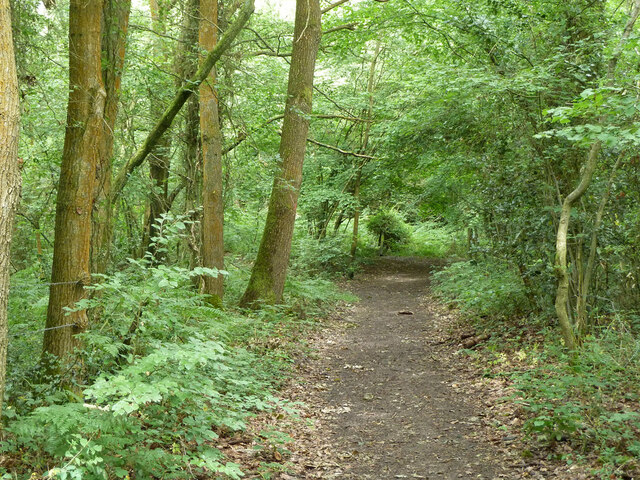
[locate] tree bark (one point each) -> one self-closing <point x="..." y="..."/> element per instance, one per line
<point x="270" y="269"/>
<point x="9" y="173"/>
<point x="76" y="187"/>
<point x="213" y="212"/>
<point x="115" y="22"/>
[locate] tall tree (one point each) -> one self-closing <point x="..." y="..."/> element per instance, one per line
<point x="160" y="157"/>
<point x="9" y="171"/>
<point x="76" y="187"/>
<point x="270" y="269"/>
<point x="213" y="213"/>
<point x="359" y="163"/>
<point x="115" y="22"/>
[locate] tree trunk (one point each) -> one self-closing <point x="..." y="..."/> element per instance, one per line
<point x="213" y="212"/>
<point x="191" y="153"/>
<point x="581" y="306"/>
<point x="115" y="21"/>
<point x="269" y="272"/>
<point x="9" y="173"/>
<point x="562" y="292"/>
<point x="363" y="149"/>
<point x="76" y="188"/>
<point x="356" y="213"/>
<point x="182" y="95"/>
<point x="159" y="158"/>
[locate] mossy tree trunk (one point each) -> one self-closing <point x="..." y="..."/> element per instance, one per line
<point x="212" y="248"/>
<point x="9" y="172"/>
<point x="270" y="269"/>
<point x="115" y="22"/>
<point x="76" y="187"/>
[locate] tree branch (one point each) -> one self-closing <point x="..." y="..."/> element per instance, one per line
<point x="181" y="97"/>
<point x="337" y="149"/>
<point x="332" y="6"/>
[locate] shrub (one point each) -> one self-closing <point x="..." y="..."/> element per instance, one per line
<point x="433" y="239"/>
<point x="389" y="228"/>
<point x="487" y="289"/>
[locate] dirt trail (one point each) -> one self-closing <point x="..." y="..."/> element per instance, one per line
<point x="388" y="406"/>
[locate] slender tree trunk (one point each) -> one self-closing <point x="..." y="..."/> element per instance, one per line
<point x="115" y="21"/>
<point x="76" y="188"/>
<point x="269" y="272"/>
<point x="562" y="292"/>
<point x="9" y="173"/>
<point x="581" y="307"/>
<point x="363" y="149"/>
<point x="160" y="156"/>
<point x="212" y="201"/>
<point x="356" y="212"/>
<point x="191" y="154"/>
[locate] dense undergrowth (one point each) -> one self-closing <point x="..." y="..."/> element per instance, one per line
<point x="166" y="375"/>
<point x="578" y="408"/>
<point x="163" y="375"/>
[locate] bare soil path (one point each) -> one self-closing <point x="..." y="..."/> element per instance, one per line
<point x="387" y="396"/>
<point x="389" y="399"/>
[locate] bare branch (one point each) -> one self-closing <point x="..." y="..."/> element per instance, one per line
<point x="333" y="5"/>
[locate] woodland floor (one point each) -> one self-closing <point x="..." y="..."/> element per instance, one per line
<point x="387" y="396"/>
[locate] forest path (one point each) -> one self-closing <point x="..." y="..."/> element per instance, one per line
<point x="386" y="405"/>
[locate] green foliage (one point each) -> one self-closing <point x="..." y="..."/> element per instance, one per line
<point x="389" y="228"/>
<point x="588" y="400"/>
<point x="320" y="256"/>
<point x="169" y="375"/>
<point x="484" y="289"/>
<point x="433" y="239"/>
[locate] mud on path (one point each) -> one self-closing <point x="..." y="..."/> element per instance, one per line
<point x="385" y="405"/>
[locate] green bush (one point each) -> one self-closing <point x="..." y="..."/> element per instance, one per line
<point x="433" y="239"/>
<point x="487" y="289"/>
<point x="389" y="228"/>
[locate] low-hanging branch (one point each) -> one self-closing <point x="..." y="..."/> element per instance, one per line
<point x="338" y="149"/>
<point x="181" y="97"/>
<point x="242" y="136"/>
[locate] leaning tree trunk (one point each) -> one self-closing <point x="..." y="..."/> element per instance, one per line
<point x="212" y="248"/>
<point x="9" y="172"/>
<point x="269" y="271"/>
<point x="562" y="292"/>
<point x="74" y="205"/>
